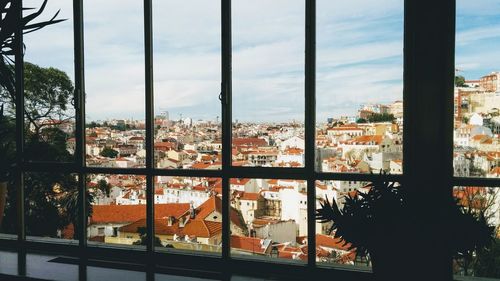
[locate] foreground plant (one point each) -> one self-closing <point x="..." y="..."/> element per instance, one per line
<point x="379" y="224"/>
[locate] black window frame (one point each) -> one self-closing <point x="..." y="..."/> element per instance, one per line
<point x="429" y="45"/>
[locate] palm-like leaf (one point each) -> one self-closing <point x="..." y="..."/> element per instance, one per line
<point x="9" y="23"/>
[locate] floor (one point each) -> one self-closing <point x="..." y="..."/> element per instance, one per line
<point x="47" y="267"/>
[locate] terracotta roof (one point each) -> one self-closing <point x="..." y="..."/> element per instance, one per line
<point x="202" y="228"/>
<point x="250" y="196"/>
<point x="214" y="203"/>
<point x="376" y="139"/>
<point x="200" y="165"/>
<point x="131" y="213"/>
<point x="249" y="244"/>
<point x="330" y="242"/>
<point x="249" y="141"/>
<point x="161" y="227"/>
<point x="238" y="181"/>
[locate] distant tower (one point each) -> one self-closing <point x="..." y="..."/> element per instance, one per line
<point x="217" y="119"/>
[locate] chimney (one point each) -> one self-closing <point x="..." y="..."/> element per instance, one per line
<point x="192" y="211"/>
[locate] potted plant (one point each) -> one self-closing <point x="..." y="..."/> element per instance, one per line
<point x="378" y="225"/>
<point x="7" y="157"/>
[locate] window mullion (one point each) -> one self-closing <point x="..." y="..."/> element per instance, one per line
<point x="428" y="124"/>
<point x="149" y="97"/>
<point x="310" y="126"/>
<point x="19" y="88"/>
<point x="226" y="102"/>
<point x="80" y="118"/>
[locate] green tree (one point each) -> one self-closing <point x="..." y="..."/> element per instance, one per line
<point x="8" y="27"/>
<point x="381" y="117"/>
<point x="361" y="120"/>
<point x="459" y="81"/>
<point x="109" y="152"/>
<point x="144" y="238"/>
<point x="104" y="187"/>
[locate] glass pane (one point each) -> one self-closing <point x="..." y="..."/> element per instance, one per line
<point x="114" y="82"/>
<point x="51" y="206"/>
<point x="187" y="84"/>
<point x="477" y="90"/>
<point x="102" y="273"/>
<point x="268" y="83"/>
<point x="331" y="250"/>
<point x="118" y="202"/>
<point x="8" y="148"/>
<point x="269" y="219"/>
<point x="8" y="262"/>
<point x="482" y="261"/>
<point x="47" y="267"/>
<point x="48" y="84"/>
<point x="188" y="214"/>
<point x="359" y="118"/>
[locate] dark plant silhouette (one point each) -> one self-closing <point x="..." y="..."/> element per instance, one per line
<point x="69" y="204"/>
<point x="362" y="214"/>
<point x="7" y="145"/>
<point x="377" y="224"/>
<point x="144" y="238"/>
<point x="8" y="25"/>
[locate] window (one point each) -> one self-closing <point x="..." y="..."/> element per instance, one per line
<point x="100" y="231"/>
<point x="243" y="106"/>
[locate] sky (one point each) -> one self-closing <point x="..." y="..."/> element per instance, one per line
<point x="359" y="55"/>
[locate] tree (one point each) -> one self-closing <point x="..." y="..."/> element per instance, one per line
<point x="361" y="120"/>
<point x="109" y="152"/>
<point x="48" y="93"/>
<point x="104" y="187"/>
<point x="144" y="238"/>
<point x="459" y="81"/>
<point x="381" y="117"/>
<point x="8" y="26"/>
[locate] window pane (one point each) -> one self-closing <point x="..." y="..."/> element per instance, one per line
<point x="114" y="82"/>
<point x="8" y="149"/>
<point x="268" y="83"/>
<point x="8" y="262"/>
<point x="50" y="267"/>
<point x="118" y="204"/>
<point x="484" y="261"/>
<point x="269" y="219"/>
<point x="188" y="214"/>
<point x="331" y="250"/>
<point x="51" y="205"/>
<point x="477" y="90"/>
<point x="359" y="119"/>
<point x="187" y="84"/>
<point x="48" y="84"/>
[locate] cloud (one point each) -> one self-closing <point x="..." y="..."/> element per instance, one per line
<point x="359" y="56"/>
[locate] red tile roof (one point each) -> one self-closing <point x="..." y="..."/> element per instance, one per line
<point x="250" y="196"/>
<point x="249" y="244"/>
<point x="249" y="142"/>
<point x="330" y="242"/>
<point x="131" y="213"/>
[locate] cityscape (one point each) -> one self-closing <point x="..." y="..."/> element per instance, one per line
<point x="268" y="215"/>
<point x="359" y="125"/>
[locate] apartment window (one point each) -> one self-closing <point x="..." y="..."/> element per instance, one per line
<point x="100" y="231"/>
<point x="232" y="100"/>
